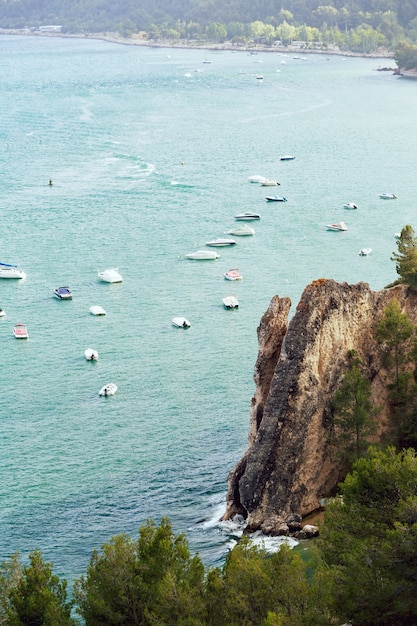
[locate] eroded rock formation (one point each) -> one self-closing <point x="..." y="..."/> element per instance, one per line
<point x="289" y="465"/>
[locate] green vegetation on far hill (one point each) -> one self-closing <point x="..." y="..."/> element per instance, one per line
<point x="362" y="26"/>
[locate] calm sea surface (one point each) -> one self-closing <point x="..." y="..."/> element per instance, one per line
<point x="150" y="151"/>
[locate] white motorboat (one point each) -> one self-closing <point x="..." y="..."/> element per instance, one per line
<point x="350" y="205"/>
<point x="110" y="276"/>
<point x="180" y="322"/>
<point x="230" y="302"/>
<point x="287" y="157"/>
<point x="233" y="275"/>
<point x="108" y="390"/>
<point x="276" y="199"/>
<point x="270" y="183"/>
<point x="388" y="196"/>
<point x="63" y="293"/>
<point x="257" y="179"/>
<point x="202" y="255"/>
<point x="242" y="231"/>
<point x="338" y="226"/>
<point x="97" y="310"/>
<point x="91" y="354"/>
<point x="11" y="271"/>
<point x="20" y="331"/>
<point x="2" y="313"/>
<point x="247" y="216"/>
<point x="219" y="243"/>
<point x="365" y="251"/>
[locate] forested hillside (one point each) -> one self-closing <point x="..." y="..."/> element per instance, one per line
<point x="362" y="26"/>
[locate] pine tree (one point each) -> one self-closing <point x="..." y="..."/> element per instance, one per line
<point x="37" y="597"/>
<point x="393" y="333"/>
<point x="406" y="257"/>
<point x="355" y="413"/>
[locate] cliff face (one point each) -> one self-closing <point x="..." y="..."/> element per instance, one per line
<point x="289" y="465"/>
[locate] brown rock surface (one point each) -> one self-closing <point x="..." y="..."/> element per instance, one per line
<point x="289" y="465"/>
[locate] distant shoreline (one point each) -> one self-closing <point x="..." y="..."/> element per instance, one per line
<point x="198" y="45"/>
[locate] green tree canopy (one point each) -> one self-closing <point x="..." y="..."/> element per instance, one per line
<point x="32" y="595"/>
<point x="153" y="580"/>
<point x="393" y="333"/>
<point x="355" y="413"/>
<point x="368" y="541"/>
<point x="406" y="257"/>
<point x="256" y="587"/>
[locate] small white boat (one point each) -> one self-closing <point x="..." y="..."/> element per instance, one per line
<point x="110" y="276"/>
<point x="257" y="179"/>
<point x="247" y="216"/>
<point x="20" y="331"/>
<point x="11" y="271"/>
<point x="230" y="302"/>
<point x="108" y="390"/>
<point x="2" y="313"/>
<point x="276" y="199"/>
<point x="180" y="322"/>
<point x="287" y="157"/>
<point x="270" y="183"/>
<point x="63" y="293"/>
<point x="242" y="231"/>
<point x="365" y="251"/>
<point x="97" y="310"/>
<point x="233" y="275"/>
<point x="338" y="226"/>
<point x="219" y="243"/>
<point x="388" y="196"/>
<point x="350" y="205"/>
<point x="202" y="255"/>
<point x="91" y="354"/>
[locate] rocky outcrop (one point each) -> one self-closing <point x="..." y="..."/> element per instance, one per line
<point x="289" y="465"/>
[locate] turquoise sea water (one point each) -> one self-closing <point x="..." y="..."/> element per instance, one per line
<point x="149" y="151"/>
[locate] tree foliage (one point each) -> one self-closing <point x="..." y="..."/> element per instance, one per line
<point x="368" y="541"/>
<point x="406" y="256"/>
<point x="361" y="26"/>
<point x="152" y="580"/>
<point x="355" y="413"/>
<point x="406" y="56"/>
<point x="32" y="595"/>
<point x="393" y="333"/>
<point x="255" y="587"/>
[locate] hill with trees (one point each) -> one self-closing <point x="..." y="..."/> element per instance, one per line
<point x="361" y="26"/>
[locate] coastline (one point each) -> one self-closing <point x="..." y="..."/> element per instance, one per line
<point x="198" y="45"/>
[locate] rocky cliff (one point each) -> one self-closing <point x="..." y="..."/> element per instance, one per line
<point x="289" y="465"/>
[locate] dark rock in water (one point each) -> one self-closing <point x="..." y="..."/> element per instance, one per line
<point x="290" y="466"/>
